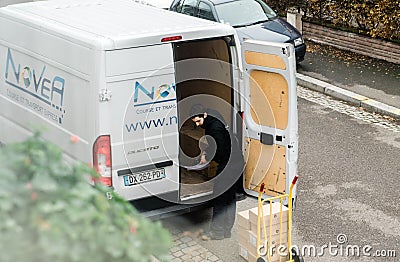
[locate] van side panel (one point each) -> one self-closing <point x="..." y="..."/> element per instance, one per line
<point x="141" y="117"/>
<point x="39" y="93"/>
<point x="48" y="45"/>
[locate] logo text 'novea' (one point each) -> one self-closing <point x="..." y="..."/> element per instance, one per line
<point x="49" y="90"/>
<point x="161" y="94"/>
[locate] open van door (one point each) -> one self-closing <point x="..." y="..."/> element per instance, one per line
<point x="270" y="117"/>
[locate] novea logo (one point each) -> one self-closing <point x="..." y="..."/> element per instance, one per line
<point x="143" y="96"/>
<point x="37" y="85"/>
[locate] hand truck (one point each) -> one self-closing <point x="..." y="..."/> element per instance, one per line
<point x="266" y="243"/>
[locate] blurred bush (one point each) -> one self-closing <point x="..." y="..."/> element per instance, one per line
<point x="375" y="18"/>
<point x="49" y="212"/>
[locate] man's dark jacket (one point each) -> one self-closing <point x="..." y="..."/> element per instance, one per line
<point x="217" y="130"/>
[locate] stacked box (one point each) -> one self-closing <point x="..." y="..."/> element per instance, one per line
<point x="243" y="222"/>
<point x="276" y="207"/>
<point x="244" y="253"/>
<point x="275" y="229"/>
<point x="247" y="230"/>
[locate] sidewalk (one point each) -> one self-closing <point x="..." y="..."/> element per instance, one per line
<point x="362" y="81"/>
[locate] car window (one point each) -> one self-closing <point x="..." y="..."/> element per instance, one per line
<point x="205" y="11"/>
<point x="188" y="7"/>
<point x="177" y="6"/>
<point x="244" y="12"/>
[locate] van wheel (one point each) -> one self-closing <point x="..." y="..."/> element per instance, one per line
<point x="262" y="259"/>
<point x="296" y="257"/>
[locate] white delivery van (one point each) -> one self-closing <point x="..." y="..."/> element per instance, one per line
<point x="119" y="78"/>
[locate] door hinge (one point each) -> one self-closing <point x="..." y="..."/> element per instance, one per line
<point x="104" y="95"/>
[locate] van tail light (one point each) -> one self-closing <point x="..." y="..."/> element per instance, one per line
<point x="102" y="159"/>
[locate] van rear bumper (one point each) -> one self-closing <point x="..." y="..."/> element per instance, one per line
<point x="159" y="207"/>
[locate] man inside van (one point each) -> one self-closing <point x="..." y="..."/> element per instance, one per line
<point x="224" y="205"/>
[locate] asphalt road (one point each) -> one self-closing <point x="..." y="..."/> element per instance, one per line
<point x="348" y="185"/>
<point x="349" y="172"/>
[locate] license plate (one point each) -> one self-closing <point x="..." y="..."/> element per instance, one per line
<point x="144" y="177"/>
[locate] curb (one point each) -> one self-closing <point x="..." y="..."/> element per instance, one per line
<point x="367" y="103"/>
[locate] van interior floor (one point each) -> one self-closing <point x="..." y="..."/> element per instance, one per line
<point x="194" y="183"/>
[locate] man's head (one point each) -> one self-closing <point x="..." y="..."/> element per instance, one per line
<point x="198" y="113"/>
<point x="199" y="120"/>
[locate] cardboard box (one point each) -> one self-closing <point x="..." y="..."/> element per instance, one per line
<point x="276" y="228"/>
<point x="212" y="169"/>
<point x="243" y="241"/>
<point x="251" y="257"/>
<point x="275" y="256"/>
<point x="243" y="236"/>
<point x="243" y="252"/>
<point x="248" y="240"/>
<point x="248" y="256"/>
<point x="276" y="214"/>
<point x="274" y="240"/>
<point x="243" y="219"/>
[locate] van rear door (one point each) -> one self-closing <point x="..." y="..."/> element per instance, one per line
<point x="141" y="116"/>
<point x="270" y="117"/>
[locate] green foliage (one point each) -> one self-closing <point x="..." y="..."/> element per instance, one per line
<point x="375" y="18"/>
<point x="49" y="212"/>
<point x="384" y="20"/>
<point x="282" y="6"/>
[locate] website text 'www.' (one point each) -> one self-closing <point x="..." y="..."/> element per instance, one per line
<point x="151" y="123"/>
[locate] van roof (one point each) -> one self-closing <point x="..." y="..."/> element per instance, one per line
<point x="112" y="24"/>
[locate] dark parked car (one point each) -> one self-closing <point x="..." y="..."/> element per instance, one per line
<point x="252" y="19"/>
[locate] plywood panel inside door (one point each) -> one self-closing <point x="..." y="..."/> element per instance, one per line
<point x="269" y="98"/>
<point x="265" y="164"/>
